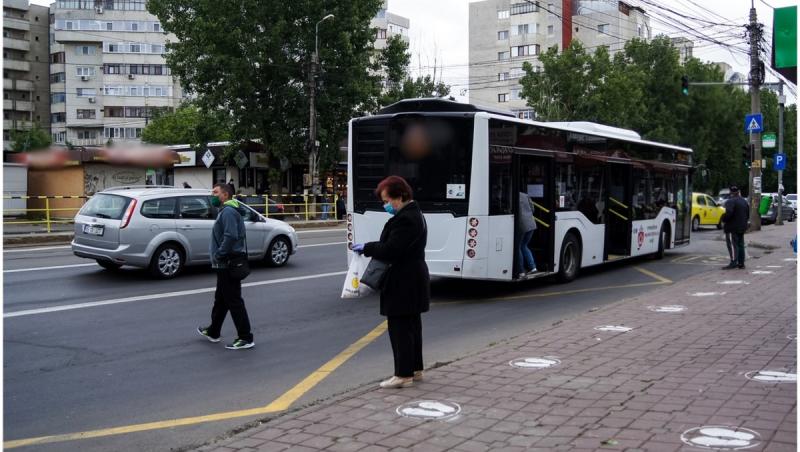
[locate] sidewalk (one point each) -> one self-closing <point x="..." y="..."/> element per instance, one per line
<point x="650" y="388"/>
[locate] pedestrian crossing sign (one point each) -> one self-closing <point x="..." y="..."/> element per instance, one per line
<point x="753" y="123"/>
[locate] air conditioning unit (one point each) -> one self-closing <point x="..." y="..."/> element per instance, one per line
<point x="131" y="76"/>
<point x="92" y="100"/>
<point x="98" y="9"/>
<point x="84" y="78"/>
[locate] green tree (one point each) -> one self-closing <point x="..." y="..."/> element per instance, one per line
<point x="187" y="125"/>
<point x="252" y="60"/>
<point x="34" y="139"/>
<point x="394" y="61"/>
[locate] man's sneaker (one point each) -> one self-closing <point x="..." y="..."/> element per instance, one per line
<point x="204" y="332"/>
<point x="240" y="344"/>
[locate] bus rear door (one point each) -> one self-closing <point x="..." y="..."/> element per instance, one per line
<point x="618" y="211"/>
<point x="534" y="176"/>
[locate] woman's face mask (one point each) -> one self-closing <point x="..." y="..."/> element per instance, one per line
<point x="389" y="208"/>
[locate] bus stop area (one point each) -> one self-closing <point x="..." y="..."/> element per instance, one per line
<point x="707" y="362"/>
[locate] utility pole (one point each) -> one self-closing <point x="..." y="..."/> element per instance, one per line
<point x="313" y="155"/>
<point x="756" y="74"/>
<point x="781" y="102"/>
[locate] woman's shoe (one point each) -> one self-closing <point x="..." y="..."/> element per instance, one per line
<point x="397" y="382"/>
<point x="417" y="375"/>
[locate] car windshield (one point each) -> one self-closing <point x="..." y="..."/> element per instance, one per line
<point x="106" y="206"/>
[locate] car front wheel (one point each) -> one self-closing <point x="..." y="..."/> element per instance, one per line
<point x="278" y="252"/>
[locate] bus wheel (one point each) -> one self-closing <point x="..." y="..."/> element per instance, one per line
<point x="570" y="258"/>
<point x="662" y="243"/>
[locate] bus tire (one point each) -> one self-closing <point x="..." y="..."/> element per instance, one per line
<point x="569" y="261"/>
<point x="663" y="236"/>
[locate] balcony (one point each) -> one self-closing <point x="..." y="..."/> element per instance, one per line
<point x="8" y="124"/>
<point x="16" y="4"/>
<point x="90" y="142"/>
<point x="16" y="24"/>
<point x="16" y="65"/>
<point x="17" y="105"/>
<point x="21" y="85"/>
<point x="16" y="44"/>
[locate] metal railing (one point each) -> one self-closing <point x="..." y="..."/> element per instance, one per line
<point x="286" y="207"/>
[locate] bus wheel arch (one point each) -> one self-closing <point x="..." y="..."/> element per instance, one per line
<point x="569" y="262"/>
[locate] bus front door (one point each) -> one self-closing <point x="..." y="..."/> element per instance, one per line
<point x="534" y="178"/>
<point x="618" y="211"/>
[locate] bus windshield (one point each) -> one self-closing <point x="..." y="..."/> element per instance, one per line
<point x="434" y="154"/>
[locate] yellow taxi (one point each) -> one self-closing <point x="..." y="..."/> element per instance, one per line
<point x="706" y="211"/>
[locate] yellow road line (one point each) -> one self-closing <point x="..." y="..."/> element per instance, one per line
<point x="660" y="280"/>
<point x="281" y="403"/>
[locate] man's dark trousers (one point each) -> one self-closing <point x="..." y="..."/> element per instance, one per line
<point x="228" y="297"/>
<point x="738" y="244"/>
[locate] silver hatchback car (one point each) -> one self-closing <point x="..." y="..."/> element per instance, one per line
<point x="165" y="228"/>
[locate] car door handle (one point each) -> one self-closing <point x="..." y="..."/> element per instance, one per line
<point x="185" y="228"/>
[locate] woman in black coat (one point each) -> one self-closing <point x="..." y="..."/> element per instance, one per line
<point x="406" y="291"/>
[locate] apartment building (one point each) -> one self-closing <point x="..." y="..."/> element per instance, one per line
<point x="685" y="48"/>
<point x="387" y="25"/>
<point x="108" y="73"/>
<point x="25" y="68"/>
<point x="503" y="34"/>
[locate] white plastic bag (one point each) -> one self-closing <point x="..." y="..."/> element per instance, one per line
<point x="352" y="282"/>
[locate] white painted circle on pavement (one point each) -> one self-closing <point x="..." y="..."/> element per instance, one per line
<point x="761" y="272"/>
<point x="440" y="410"/>
<point x="771" y="376"/>
<point x="705" y="294"/>
<point x="613" y="328"/>
<point x="669" y="308"/>
<point x="534" y="363"/>
<point x="733" y="282"/>
<point x="721" y="437"/>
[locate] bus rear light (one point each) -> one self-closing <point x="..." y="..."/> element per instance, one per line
<point x="349" y="226"/>
<point x="349" y="217"/>
<point x="471" y="253"/>
<point x="472" y="243"/>
<point x="474" y="222"/>
<point x="128" y="214"/>
<point x="349" y="246"/>
<point x="473" y="232"/>
<point x="350" y="236"/>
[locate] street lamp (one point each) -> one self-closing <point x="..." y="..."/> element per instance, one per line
<point x="313" y="157"/>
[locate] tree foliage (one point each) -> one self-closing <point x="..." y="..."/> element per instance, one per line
<point x="34" y="139"/>
<point x="394" y="61"/>
<point x="639" y="89"/>
<point x="251" y="59"/>
<point x="188" y="125"/>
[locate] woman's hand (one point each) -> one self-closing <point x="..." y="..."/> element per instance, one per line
<point x="358" y="248"/>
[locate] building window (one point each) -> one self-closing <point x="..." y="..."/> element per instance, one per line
<point x="502" y="97"/>
<point x="86" y="92"/>
<point x="602" y="28"/>
<point x="58" y="117"/>
<point x="503" y="55"/>
<point x="502" y="35"/>
<point x="381" y="33"/>
<point x="516" y="72"/>
<point x="550" y="30"/>
<point x="58" y="77"/>
<point x="551" y="10"/>
<point x="518" y="51"/>
<point x="156" y="26"/>
<point x="87" y="134"/>
<point x="84" y="50"/>
<point x="57" y="98"/>
<point x="525" y="114"/>
<point x="56" y="58"/>
<point x="502" y="76"/>
<point x="515" y="94"/>
<point x="524" y="8"/>
<point x="114" y="112"/>
<point x="84" y="71"/>
<point x="86" y="114"/>
<point x="59" y="137"/>
<point x="504" y="14"/>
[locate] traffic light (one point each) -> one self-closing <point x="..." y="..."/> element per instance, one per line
<point x="685" y="85"/>
<point x="747" y="154"/>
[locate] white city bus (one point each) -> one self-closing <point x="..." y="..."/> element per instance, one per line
<point x="599" y="193"/>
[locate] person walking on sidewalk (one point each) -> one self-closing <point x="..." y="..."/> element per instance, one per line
<point x="406" y="292"/>
<point x="737" y="214"/>
<point x="227" y="240"/>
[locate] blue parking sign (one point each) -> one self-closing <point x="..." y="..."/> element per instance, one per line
<point x="779" y="163"/>
<point x="753" y="123"/>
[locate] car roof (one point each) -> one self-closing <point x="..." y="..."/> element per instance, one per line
<point x="155" y="191"/>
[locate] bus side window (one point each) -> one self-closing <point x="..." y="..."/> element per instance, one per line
<point x="500" y="194"/>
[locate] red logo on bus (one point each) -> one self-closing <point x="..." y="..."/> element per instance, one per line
<point x="640" y="237"/>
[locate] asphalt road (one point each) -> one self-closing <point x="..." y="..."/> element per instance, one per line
<point x="139" y="360"/>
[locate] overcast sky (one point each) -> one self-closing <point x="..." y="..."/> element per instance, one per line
<point x="439" y="32"/>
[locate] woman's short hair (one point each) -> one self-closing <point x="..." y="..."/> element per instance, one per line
<point x="396" y="187"/>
